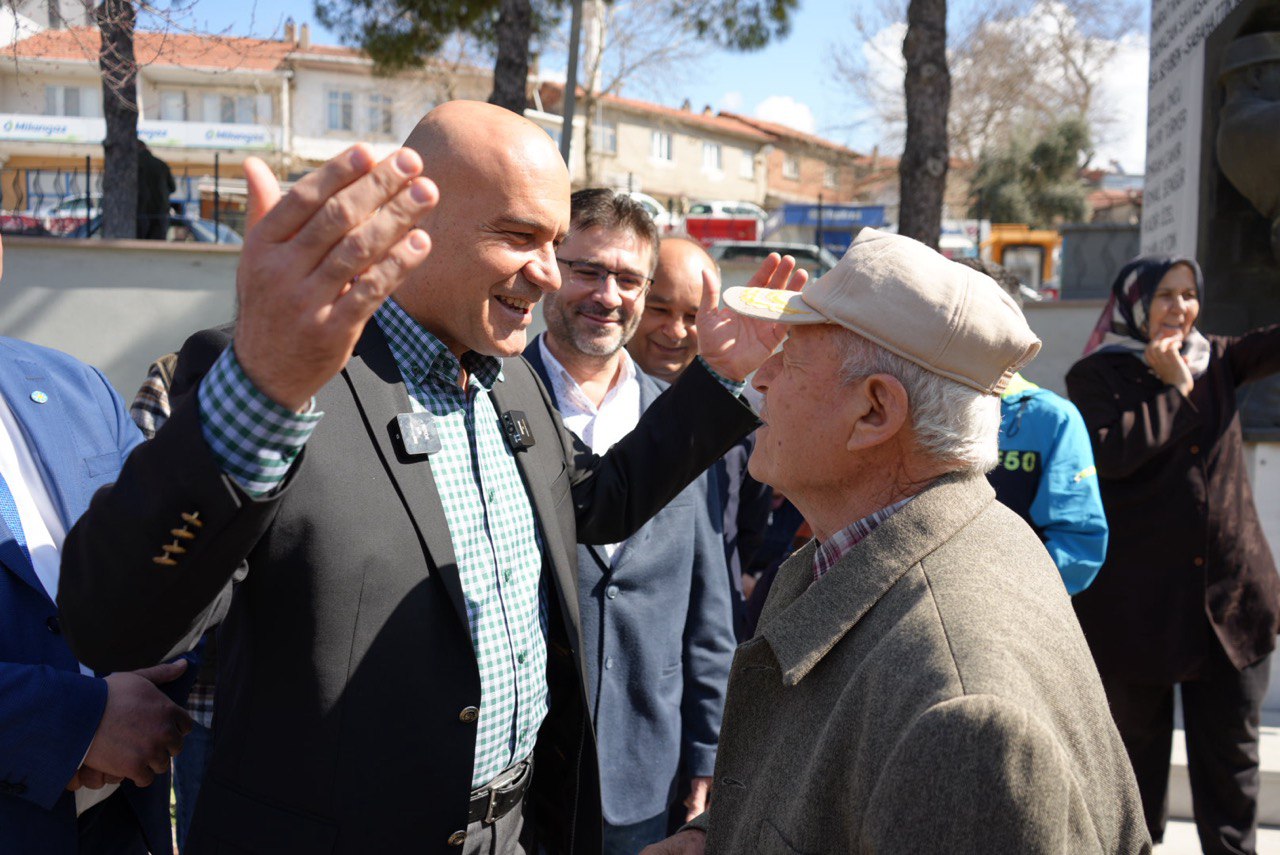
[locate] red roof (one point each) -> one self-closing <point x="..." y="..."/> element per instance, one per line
<point x="1101" y="200"/>
<point x="80" y="44"/>
<point x="782" y="131"/>
<point x="555" y="91"/>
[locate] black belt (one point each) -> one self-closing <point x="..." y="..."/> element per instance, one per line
<point x="495" y="800"/>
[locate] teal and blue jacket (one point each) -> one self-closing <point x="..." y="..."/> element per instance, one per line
<point x="1046" y="474"/>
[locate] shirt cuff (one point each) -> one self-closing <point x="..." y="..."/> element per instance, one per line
<point x="735" y="387"/>
<point x="254" y="439"/>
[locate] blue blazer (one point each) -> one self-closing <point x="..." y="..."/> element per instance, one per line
<point x="49" y="711"/>
<point x="658" y="640"/>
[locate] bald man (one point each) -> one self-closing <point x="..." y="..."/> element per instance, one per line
<point x="402" y="504"/>
<point x="666" y="340"/>
<point x="664" y="345"/>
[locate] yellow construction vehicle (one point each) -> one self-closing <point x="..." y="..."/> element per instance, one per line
<point x="1030" y="254"/>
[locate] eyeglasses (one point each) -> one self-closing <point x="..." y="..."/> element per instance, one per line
<point x="630" y="285"/>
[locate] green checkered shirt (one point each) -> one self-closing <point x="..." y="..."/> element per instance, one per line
<point x="491" y="520"/>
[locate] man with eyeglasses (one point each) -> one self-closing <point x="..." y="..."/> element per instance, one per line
<point x="657" y="620"/>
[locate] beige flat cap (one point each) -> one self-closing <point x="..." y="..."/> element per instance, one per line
<point x="898" y="293"/>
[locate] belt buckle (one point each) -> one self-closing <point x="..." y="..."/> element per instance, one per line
<point x="489" y="818"/>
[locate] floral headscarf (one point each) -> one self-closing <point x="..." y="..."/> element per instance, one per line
<point x="1122" y="324"/>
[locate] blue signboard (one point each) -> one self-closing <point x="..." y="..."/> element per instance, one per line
<point x="833" y="216"/>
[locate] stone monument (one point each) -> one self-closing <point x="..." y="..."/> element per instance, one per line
<point x="1213" y="166"/>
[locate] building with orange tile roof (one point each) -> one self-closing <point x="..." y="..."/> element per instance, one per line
<point x="205" y="102"/>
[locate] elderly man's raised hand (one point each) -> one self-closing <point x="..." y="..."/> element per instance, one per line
<point x="733" y="344"/>
<point x="318" y="263"/>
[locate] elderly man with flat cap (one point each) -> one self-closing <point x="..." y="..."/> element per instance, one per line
<point x="400" y="665"/>
<point x="918" y="682"/>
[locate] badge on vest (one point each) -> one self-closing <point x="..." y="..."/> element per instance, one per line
<point x="418" y="434"/>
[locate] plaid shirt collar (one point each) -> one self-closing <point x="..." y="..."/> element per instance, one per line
<point x="839" y="544"/>
<point x="417" y="349"/>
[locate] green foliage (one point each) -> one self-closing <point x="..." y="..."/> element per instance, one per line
<point x="738" y="24"/>
<point x="399" y="34"/>
<point x="1035" y="181"/>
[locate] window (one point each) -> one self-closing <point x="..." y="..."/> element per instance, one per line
<point x="661" y="148"/>
<point x="234" y="109"/>
<point x="72" y="101"/>
<point x="831" y="177"/>
<point x="173" y="105"/>
<point x="342" y="111"/>
<point x="263" y="109"/>
<point x="746" y="164"/>
<point x="604" y="136"/>
<point x="791" y="167"/>
<point x="380" y="114"/>
<point x="711" y="157"/>
<point x="219" y="108"/>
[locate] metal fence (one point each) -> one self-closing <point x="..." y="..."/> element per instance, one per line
<point x="63" y="202"/>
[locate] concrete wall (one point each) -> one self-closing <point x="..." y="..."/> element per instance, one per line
<point x="114" y="304"/>
<point x="1064" y="327"/>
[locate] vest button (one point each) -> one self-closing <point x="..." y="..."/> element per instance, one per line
<point x="457" y="838"/>
<point x="53" y="625"/>
<point x="468" y="716"/>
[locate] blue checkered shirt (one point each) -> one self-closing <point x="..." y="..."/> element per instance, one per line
<point x="491" y="520"/>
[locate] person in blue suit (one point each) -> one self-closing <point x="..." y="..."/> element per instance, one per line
<point x="84" y="759"/>
<point x="657" y="619"/>
<point x="1046" y="471"/>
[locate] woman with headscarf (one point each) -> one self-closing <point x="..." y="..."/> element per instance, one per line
<point x="1189" y="593"/>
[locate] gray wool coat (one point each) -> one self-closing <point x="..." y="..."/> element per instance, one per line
<point x="932" y="693"/>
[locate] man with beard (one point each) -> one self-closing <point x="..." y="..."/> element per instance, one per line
<point x="656" y="616"/>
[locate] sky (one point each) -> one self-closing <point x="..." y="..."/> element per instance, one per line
<point x="792" y="81"/>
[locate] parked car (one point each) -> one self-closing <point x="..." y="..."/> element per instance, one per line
<point x="711" y="222"/>
<point x="182" y="229"/>
<point x="666" y="221"/>
<point x="727" y="209"/>
<point x="75" y="206"/>
<point x="739" y="260"/>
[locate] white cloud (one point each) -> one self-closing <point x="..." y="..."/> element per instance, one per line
<point x="1124" y="89"/>
<point x="786" y="110"/>
<point x="882" y="54"/>
<point x="731" y="101"/>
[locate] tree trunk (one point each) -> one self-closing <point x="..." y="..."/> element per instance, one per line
<point x="511" y="69"/>
<point x="116" y="19"/>
<point x="923" y="170"/>
<point x="588" y="105"/>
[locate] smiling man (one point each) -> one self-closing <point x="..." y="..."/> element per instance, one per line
<point x="666" y="340"/>
<point x="405" y="502"/>
<point x="664" y="345"/>
<point x="656" y="614"/>
<point x="919" y="682"/>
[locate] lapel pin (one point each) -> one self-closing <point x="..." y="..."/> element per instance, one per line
<point x="39" y="397"/>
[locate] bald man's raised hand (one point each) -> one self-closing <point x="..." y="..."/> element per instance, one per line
<point x="733" y="344"/>
<point x="319" y="261"/>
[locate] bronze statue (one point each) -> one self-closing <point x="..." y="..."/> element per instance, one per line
<point x="1249" y="127"/>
